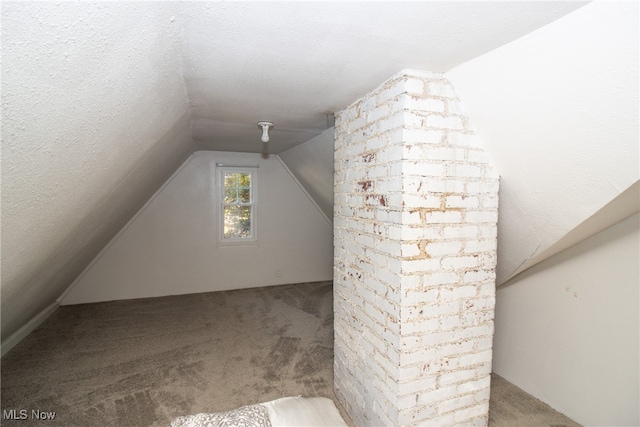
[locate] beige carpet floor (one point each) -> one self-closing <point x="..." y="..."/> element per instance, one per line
<point x="144" y="362"/>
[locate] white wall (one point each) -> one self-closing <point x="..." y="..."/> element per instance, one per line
<point x="171" y="246"/>
<point x="312" y="164"/>
<point x="558" y="112"/>
<point x="567" y="329"/>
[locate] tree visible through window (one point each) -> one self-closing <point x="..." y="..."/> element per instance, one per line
<point x="238" y="203"/>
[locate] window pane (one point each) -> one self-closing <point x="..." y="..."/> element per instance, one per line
<point x="245" y="195"/>
<point x="230" y="179"/>
<point x="230" y="195"/>
<point x="237" y="222"/>
<point x="237" y="187"/>
<point x="230" y="187"/>
<point x="244" y="188"/>
<point x="244" y="179"/>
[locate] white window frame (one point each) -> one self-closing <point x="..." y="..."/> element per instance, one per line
<point x="253" y="172"/>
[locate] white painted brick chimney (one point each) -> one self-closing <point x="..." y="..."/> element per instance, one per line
<point x="416" y="207"/>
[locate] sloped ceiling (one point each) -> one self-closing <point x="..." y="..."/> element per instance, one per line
<point x="101" y="101"/>
<point x="94" y="119"/>
<point x="296" y="63"/>
<point x="312" y="164"/>
<point x="558" y="111"/>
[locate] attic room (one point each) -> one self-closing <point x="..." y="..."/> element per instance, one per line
<point x="446" y="209"/>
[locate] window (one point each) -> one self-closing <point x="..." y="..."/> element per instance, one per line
<point x="238" y="204"/>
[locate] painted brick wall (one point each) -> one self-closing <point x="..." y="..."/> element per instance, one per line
<point x="416" y="202"/>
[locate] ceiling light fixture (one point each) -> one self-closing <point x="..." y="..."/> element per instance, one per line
<point x="265" y="130"/>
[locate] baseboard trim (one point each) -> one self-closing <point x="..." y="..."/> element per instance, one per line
<point x="32" y="324"/>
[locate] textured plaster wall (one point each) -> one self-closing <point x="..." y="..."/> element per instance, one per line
<point x="312" y="164"/>
<point x="172" y="246"/>
<point x="415" y="253"/>
<point x="567" y="329"/>
<point x="94" y="119"/>
<point x="558" y="111"/>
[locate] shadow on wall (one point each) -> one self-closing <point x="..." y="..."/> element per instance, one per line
<point x="22" y="301"/>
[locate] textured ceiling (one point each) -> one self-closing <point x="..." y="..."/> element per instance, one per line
<point x="295" y="64"/>
<point x="101" y="101"/>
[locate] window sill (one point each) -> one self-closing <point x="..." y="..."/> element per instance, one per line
<point x="231" y="244"/>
